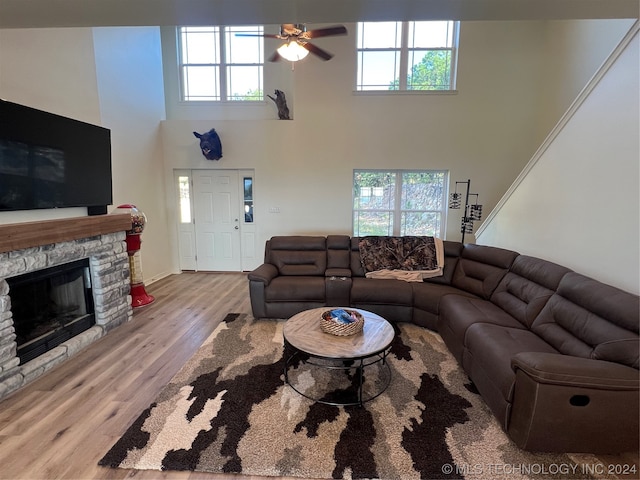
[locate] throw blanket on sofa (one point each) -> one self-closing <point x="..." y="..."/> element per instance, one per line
<point x="405" y="258"/>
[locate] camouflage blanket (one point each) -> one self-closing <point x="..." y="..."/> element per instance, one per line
<point x="398" y="253"/>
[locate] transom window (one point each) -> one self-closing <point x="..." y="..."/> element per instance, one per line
<point x="216" y="65"/>
<point x="399" y="202"/>
<point x="406" y="55"/>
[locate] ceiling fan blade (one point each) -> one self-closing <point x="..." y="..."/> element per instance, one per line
<point x="275" y="57"/>
<point x="265" y="35"/>
<point x="323" y="54"/>
<point x="326" y="32"/>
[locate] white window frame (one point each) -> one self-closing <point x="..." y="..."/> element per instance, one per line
<point x="396" y="209"/>
<point x="221" y="66"/>
<point x="403" y="66"/>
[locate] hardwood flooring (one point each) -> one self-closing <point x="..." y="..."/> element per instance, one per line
<point x="59" y="426"/>
<point x="62" y="424"/>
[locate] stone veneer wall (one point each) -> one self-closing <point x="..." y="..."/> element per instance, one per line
<point x="109" y="266"/>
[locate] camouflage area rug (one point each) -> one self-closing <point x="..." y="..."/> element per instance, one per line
<point x="229" y="411"/>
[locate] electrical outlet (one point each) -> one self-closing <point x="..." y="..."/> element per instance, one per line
<point x="274" y="209"/>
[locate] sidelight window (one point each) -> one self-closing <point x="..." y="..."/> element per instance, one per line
<point x="184" y="193"/>
<point x="248" y="199"/>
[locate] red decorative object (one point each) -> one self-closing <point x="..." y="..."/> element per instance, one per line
<point x="133" y="242"/>
<point x="139" y="296"/>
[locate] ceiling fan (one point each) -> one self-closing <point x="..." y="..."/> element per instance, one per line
<point x="297" y="45"/>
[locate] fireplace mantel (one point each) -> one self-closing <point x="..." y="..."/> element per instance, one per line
<point x="17" y="236"/>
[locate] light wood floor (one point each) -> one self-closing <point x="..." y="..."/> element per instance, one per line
<point x="60" y="426"/>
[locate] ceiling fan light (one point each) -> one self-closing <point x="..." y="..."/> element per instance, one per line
<point x="292" y="51"/>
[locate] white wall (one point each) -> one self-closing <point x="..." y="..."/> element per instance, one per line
<point x="305" y="166"/>
<point x="105" y="76"/>
<point x="574" y="51"/>
<point x="129" y="72"/>
<point x="486" y="132"/>
<point x="52" y="69"/>
<point x="577" y="203"/>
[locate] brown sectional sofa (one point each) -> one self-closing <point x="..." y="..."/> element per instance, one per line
<point x="553" y="353"/>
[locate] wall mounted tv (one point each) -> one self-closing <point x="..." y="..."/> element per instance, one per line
<point x="50" y="161"/>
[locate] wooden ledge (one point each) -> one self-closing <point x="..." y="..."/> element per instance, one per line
<point x="17" y="236"/>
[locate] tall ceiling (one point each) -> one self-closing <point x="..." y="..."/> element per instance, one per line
<point x="79" y="13"/>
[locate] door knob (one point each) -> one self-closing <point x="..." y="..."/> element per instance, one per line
<point x="236" y="227"/>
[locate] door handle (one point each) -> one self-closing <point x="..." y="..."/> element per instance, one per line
<point x="236" y="227"/>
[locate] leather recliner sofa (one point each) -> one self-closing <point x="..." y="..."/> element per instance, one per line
<point x="554" y="354"/>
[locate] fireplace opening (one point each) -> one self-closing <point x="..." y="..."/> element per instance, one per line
<point x="50" y="306"/>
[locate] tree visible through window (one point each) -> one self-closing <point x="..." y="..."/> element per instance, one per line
<point x="406" y="55"/>
<point x="399" y="202"/>
<point x="217" y="65"/>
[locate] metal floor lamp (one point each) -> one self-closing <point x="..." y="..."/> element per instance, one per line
<point x="471" y="211"/>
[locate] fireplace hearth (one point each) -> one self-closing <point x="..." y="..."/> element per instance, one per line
<point x="50" y="306"/>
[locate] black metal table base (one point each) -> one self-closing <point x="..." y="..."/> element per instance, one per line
<point x="358" y="365"/>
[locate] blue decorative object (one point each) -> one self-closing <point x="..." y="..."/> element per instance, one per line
<point x="342" y="316"/>
<point x="210" y="144"/>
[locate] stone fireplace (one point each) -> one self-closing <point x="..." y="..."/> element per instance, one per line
<point x="50" y="306"/>
<point x="35" y="251"/>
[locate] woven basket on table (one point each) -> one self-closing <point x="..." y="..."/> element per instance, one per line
<point x="328" y="324"/>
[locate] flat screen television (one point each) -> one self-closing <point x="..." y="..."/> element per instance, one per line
<point x="51" y="161"/>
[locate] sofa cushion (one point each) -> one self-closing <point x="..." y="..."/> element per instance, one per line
<point x="527" y="287"/>
<point x="589" y="319"/>
<point x="487" y="361"/>
<point x="452" y="251"/>
<point x="380" y="291"/>
<point x="458" y="313"/>
<point x="480" y="269"/>
<point x="298" y="255"/>
<point x="355" y="262"/>
<point x="493" y="346"/>
<point x="338" y="251"/>
<point x="295" y="289"/>
<point x="429" y="296"/>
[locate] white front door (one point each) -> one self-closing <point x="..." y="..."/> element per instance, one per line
<point x="217" y="220"/>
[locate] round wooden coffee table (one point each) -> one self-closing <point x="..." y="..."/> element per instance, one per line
<point x="311" y="346"/>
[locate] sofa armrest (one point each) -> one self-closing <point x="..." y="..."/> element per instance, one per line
<point x="338" y="272"/>
<point x="264" y="273"/>
<point x="558" y="369"/>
